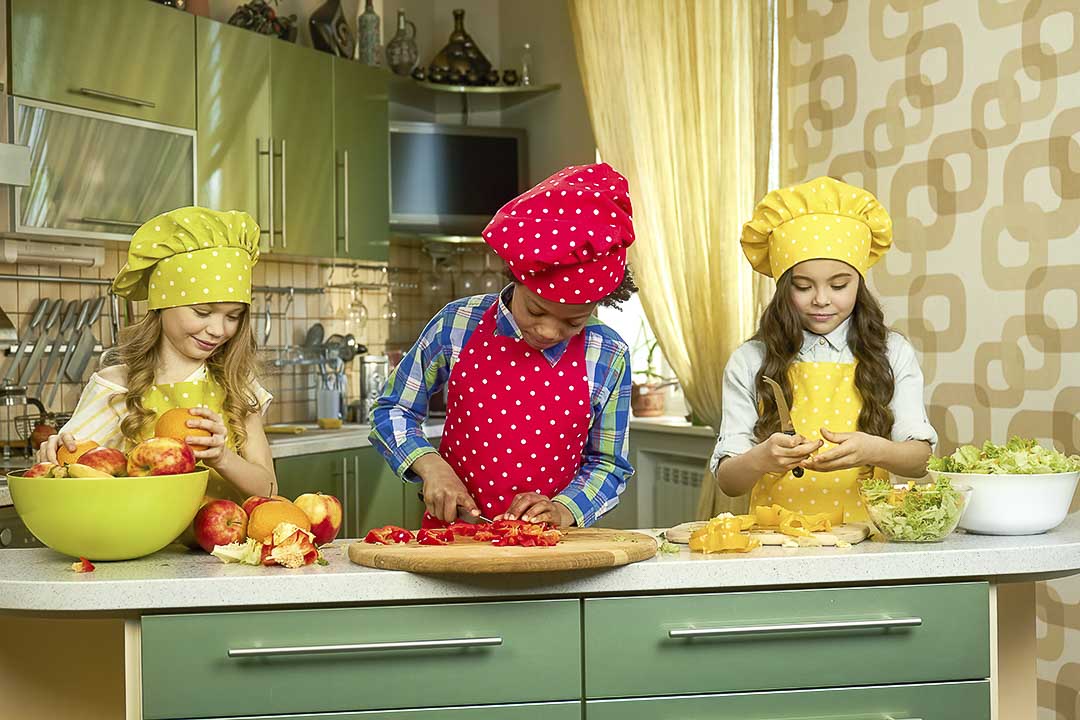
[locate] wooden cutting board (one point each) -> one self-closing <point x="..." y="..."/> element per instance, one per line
<point x="580" y="549"/>
<point x="850" y="533"/>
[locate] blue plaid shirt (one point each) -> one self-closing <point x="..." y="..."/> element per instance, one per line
<point x="397" y="416"/>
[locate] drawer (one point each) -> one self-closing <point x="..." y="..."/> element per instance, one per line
<point x="530" y="711"/>
<point x="944" y="701"/>
<point x="294" y="661"/>
<point x="788" y="639"/>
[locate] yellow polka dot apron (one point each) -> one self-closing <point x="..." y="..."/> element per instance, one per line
<point x="188" y="394"/>
<point x="823" y="395"/>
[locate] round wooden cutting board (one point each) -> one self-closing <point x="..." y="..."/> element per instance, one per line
<point x="580" y="549"/>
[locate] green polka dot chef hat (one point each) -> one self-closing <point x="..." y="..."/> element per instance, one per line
<point x="191" y="255"/>
<point x="823" y="218"/>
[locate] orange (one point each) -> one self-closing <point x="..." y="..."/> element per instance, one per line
<point x="65" y="456"/>
<point x="267" y="516"/>
<point x="173" y="424"/>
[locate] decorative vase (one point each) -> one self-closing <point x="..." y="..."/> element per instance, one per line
<point x="330" y="31"/>
<point x="510" y="77"/>
<point x="460" y="59"/>
<point x="401" y="51"/>
<point x="647" y="399"/>
<point x="367" y="35"/>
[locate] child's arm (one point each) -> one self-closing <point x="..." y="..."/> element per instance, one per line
<point x="907" y="458"/>
<point x="737" y="474"/>
<point x="253" y="472"/>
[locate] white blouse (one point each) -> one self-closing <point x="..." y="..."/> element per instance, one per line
<point x="740" y="407"/>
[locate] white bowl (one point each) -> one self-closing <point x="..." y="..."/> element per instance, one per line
<point x="1015" y="504"/>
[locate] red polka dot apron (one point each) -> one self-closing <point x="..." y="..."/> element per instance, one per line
<point x="514" y="422"/>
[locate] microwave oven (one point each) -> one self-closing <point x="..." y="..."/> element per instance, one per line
<point x="451" y="179"/>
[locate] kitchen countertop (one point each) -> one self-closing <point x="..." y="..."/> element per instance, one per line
<point x="671" y="424"/>
<point x="41" y="580"/>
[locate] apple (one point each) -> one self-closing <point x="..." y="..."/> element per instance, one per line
<point x="220" y="522"/>
<point x="42" y="469"/>
<point x="42" y="432"/>
<point x="256" y="500"/>
<point x="160" y="456"/>
<point x="109" y="460"/>
<point x="324" y="512"/>
<point x="58" y="471"/>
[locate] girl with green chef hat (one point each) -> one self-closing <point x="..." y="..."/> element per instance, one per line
<point x="194" y="348"/>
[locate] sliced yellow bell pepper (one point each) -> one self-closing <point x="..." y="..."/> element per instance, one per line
<point x="723" y="534"/>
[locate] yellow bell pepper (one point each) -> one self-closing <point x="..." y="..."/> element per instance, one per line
<point x="723" y="534"/>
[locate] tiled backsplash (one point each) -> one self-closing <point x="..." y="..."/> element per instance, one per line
<point x="413" y="296"/>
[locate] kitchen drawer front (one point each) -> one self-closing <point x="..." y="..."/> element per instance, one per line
<point x="744" y="641"/>
<point x="181" y="652"/>
<point x="135" y="59"/>
<point x="531" y="711"/>
<point x="944" y="701"/>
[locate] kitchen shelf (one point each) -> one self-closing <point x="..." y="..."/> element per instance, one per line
<point x="508" y="92"/>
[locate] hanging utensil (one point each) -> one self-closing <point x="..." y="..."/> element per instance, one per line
<point x="85" y="348"/>
<point x="786" y="426"/>
<point x="352" y="348"/>
<point x="12" y="366"/>
<point x="66" y="325"/>
<point x="267" y="318"/>
<point x="314" y="337"/>
<point x="114" y="317"/>
<point x="39" y="344"/>
<point x="84" y="311"/>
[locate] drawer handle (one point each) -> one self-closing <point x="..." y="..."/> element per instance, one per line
<point x="748" y="630"/>
<point x="108" y="221"/>
<point x="117" y="98"/>
<point x="366" y="647"/>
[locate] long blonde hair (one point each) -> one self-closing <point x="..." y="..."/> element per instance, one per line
<point x="233" y="366"/>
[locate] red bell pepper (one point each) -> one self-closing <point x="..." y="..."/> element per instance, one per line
<point x="83" y="566"/>
<point x="435" y="536"/>
<point x="463" y="529"/>
<point x="388" y="535"/>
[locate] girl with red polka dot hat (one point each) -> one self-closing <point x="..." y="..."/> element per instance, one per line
<point x="538" y="388"/>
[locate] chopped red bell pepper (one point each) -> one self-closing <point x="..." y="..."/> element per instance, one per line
<point x="435" y="536"/>
<point x="388" y="535"/>
<point x="83" y="566"/>
<point x="463" y="529"/>
<point x="484" y="534"/>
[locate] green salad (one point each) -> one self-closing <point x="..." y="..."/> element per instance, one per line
<point x="1018" y="456"/>
<point x="913" y="513"/>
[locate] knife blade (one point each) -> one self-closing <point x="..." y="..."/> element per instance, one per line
<point x="786" y="426"/>
<point x="84" y="310"/>
<point x="85" y="347"/>
<point x="11" y="368"/>
<point x="66" y="324"/>
<point x="39" y="344"/>
<point x="465" y="517"/>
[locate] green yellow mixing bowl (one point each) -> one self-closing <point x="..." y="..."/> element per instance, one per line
<point x="111" y="518"/>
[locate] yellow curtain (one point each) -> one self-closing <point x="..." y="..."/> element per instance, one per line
<point x="679" y="95"/>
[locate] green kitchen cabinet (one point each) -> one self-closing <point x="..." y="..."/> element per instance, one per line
<point x="302" y="126"/>
<point x="376" y="496"/>
<point x="135" y="59"/>
<point x="320" y="472"/>
<point x="944" y="701"/>
<point x="362" y="161"/>
<point x="518" y="711"/>
<point x="233" y="108"/>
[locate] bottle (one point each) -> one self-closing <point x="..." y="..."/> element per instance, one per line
<point x="367" y="46"/>
<point x="526" y="65"/>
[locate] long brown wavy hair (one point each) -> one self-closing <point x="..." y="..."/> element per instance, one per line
<point x="233" y="366"/>
<point x="781" y="331"/>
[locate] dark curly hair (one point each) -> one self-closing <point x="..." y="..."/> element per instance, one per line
<point x="614" y="299"/>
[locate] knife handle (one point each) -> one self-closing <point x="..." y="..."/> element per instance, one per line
<point x="798" y="471"/>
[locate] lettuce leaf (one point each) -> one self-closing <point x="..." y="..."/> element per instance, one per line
<point x="1019" y="456"/>
<point x="915" y="513"/>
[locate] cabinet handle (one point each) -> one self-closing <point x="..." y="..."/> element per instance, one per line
<point x="365" y="647"/>
<point x="108" y="221"/>
<point x="284" y="202"/>
<point x="345" y="194"/>
<point x="356" y="474"/>
<point x="269" y="153"/>
<point x="750" y="630"/>
<point x="116" y="98"/>
<point x="348" y="521"/>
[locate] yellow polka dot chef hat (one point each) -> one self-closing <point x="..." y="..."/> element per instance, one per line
<point x="191" y="255"/>
<point x="823" y="218"/>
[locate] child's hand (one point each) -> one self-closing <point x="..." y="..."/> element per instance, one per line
<point x="852" y="450"/>
<point x="47" y="451"/>
<point x="786" y="452"/>
<point x="208" y="449"/>
<point x="537" y="508"/>
<point x="445" y="495"/>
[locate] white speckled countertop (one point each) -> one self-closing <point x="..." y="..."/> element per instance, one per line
<point x="41" y="580"/>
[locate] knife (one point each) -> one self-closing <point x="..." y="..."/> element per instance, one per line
<point x="786" y="426"/>
<point x="78" y="360"/>
<point x="465" y="517"/>
<point x="39" y="344"/>
<point x="84" y="310"/>
<point x="66" y="324"/>
<point x="11" y="368"/>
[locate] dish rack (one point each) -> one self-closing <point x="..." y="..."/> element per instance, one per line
<point x="25" y="424"/>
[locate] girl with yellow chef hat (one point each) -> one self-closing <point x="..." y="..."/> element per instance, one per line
<point x="854" y="388"/>
<point x="194" y="349"/>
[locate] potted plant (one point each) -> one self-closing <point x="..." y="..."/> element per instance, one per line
<point x="647" y="393"/>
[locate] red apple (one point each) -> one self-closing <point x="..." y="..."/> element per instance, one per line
<point x="256" y="500"/>
<point x="220" y="522"/>
<point x="42" y="469"/>
<point x="106" y="459"/>
<point x="324" y="512"/>
<point x="160" y="456"/>
<point x="42" y="432"/>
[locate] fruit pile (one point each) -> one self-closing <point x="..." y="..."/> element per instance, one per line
<point x="501" y="533"/>
<point x="269" y="530"/>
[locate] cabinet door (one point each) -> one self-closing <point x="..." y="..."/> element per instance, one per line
<point x="362" y="140"/>
<point x="376" y="499"/>
<point x="302" y="124"/>
<point x="322" y="472"/>
<point x="117" y="56"/>
<point x="520" y="711"/>
<point x="233" y="102"/>
<point x="413" y="505"/>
